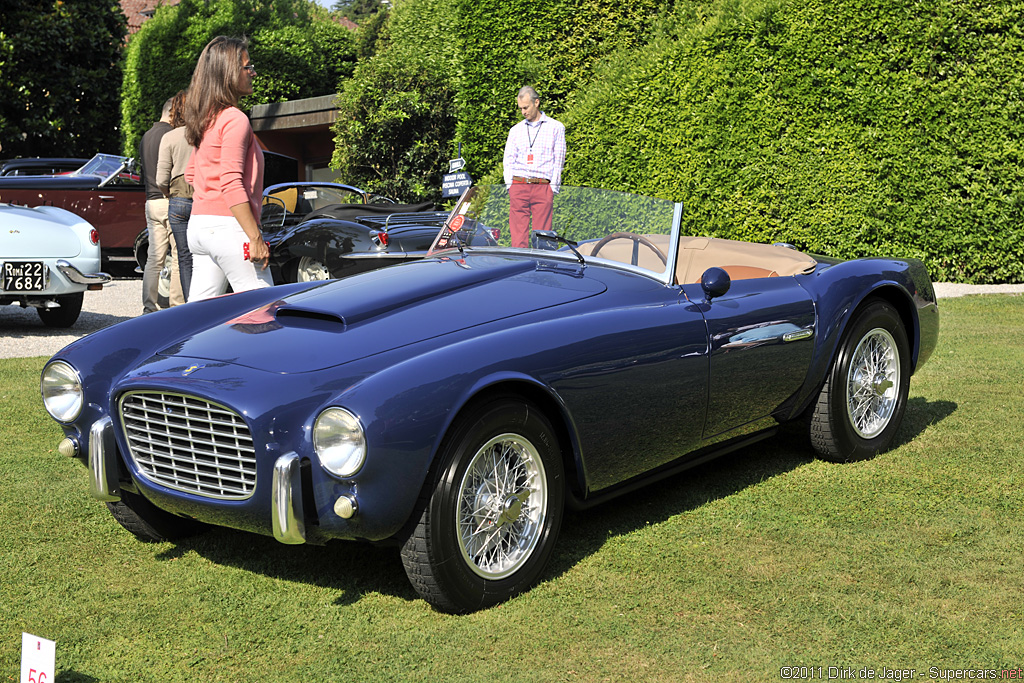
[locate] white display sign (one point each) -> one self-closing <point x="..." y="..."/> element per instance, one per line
<point x="452" y="184"/>
<point x="38" y="656"/>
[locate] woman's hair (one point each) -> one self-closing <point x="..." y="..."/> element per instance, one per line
<point x="178" y="109"/>
<point x="216" y="85"/>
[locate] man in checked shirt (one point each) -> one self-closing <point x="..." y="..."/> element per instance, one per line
<point x="534" y="155"/>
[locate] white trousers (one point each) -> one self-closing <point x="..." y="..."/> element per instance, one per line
<point x="218" y="245"/>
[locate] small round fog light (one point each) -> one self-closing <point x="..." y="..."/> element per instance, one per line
<point x="346" y="507"/>
<point x="68" y="447"/>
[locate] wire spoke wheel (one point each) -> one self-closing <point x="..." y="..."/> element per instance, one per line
<point x="862" y="401"/>
<point x="502" y="504"/>
<point x="490" y="518"/>
<point x="873" y="382"/>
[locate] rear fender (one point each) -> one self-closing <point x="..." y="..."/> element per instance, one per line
<point x="838" y="293"/>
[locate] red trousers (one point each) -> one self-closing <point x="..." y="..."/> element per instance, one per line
<point x="526" y="200"/>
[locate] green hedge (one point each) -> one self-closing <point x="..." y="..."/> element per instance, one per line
<point x="553" y="45"/>
<point x="851" y="127"/>
<point x="397" y="115"/>
<point x="859" y="128"/>
<point x="60" y="66"/>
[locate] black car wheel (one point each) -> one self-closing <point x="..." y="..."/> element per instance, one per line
<point x="490" y="521"/>
<point x="149" y="523"/>
<point x="861" y="404"/>
<point x="67" y="314"/>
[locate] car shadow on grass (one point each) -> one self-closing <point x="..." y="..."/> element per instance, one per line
<point x="357" y="569"/>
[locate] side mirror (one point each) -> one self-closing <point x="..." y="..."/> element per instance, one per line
<point x="715" y="282"/>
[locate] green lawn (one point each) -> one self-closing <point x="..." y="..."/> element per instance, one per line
<point x="762" y="560"/>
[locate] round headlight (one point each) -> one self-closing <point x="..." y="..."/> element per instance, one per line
<point x="62" y="391"/>
<point x="339" y="442"/>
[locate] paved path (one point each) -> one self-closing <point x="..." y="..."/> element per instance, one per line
<point x="22" y="334"/>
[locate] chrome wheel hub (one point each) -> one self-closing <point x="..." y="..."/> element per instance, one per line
<point x="873" y="383"/>
<point x="311" y="270"/>
<point x="502" y="506"/>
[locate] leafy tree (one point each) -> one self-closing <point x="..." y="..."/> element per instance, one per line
<point x="298" y="51"/>
<point x="59" y="72"/>
<point x="358" y="10"/>
<point x="396" y="118"/>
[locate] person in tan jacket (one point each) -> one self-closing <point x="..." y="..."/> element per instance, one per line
<point x="175" y="153"/>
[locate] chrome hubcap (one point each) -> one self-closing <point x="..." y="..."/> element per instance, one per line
<point x="502" y="506"/>
<point x="873" y="382"/>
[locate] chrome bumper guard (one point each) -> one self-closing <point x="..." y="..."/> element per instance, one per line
<point x="80" y="278"/>
<point x="286" y="500"/>
<point x="103" y="461"/>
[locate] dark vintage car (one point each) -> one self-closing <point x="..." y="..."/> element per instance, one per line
<point x="319" y="231"/>
<point x="33" y="166"/>
<point x="456" y="404"/>
<point x="106" y="191"/>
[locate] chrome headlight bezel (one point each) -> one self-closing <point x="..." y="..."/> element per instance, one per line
<point x="61" y="388"/>
<point x="339" y="441"/>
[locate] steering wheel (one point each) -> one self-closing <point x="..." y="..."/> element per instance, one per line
<point x="638" y="239"/>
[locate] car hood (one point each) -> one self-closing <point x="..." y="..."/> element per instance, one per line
<point x="375" y="312"/>
<point x="40" y="232"/>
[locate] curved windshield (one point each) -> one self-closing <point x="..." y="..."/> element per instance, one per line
<point x="291" y="203"/>
<point x="113" y="169"/>
<point x="585" y="223"/>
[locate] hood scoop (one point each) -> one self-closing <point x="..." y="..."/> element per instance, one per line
<point x="371" y="313"/>
<point x="310" y="319"/>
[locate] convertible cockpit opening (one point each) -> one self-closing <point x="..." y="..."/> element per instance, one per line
<point x="741" y="260"/>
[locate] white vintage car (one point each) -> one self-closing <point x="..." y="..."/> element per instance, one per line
<point x="49" y="257"/>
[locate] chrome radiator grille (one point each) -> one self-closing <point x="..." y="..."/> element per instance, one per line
<point x="189" y="444"/>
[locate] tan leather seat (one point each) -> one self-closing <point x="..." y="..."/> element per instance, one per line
<point x="742" y="260"/>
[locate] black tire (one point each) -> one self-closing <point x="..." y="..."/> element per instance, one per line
<point x="862" y="402"/>
<point x="516" y="497"/>
<point x="67" y="314"/>
<point x="149" y="523"/>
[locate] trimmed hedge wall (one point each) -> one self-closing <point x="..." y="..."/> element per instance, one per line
<point x="849" y="128"/>
<point x="860" y="128"/>
<point x="396" y="115"/>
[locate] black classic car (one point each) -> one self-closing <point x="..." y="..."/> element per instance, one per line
<point x="321" y="231"/>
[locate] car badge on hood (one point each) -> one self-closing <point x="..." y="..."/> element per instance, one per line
<point x="190" y="369"/>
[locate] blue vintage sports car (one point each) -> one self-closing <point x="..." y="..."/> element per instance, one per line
<point x="49" y="257"/>
<point x="455" y="405"/>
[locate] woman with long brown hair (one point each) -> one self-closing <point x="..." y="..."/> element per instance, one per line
<point x="226" y="172"/>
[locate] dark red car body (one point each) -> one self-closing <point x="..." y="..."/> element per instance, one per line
<point x="105" y="191"/>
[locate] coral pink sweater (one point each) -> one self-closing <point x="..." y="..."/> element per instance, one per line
<point x="227" y="168"/>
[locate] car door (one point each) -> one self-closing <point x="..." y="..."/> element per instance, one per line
<point x="638" y="389"/>
<point x="761" y="341"/>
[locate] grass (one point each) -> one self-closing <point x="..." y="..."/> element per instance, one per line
<point x="764" y="559"/>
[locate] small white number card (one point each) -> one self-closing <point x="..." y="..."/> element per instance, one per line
<point x="37" y="659"/>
